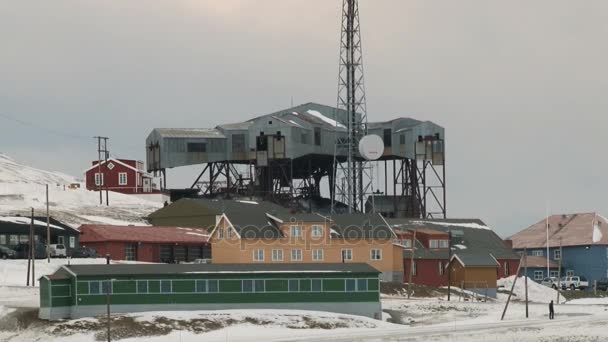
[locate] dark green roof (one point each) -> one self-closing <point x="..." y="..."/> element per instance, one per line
<point x="153" y="269"/>
<point x="361" y="226"/>
<point x="476" y="259"/>
<point x="472" y="234"/>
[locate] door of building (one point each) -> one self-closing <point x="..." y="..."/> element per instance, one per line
<point x="147" y="185"/>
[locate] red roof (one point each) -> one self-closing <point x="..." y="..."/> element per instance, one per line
<point x="102" y="233"/>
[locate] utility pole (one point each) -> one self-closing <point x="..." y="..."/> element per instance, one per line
<point x="559" y="270"/>
<point x="512" y="288"/>
<point x="29" y="251"/>
<point x="102" y="178"/>
<point x="526" y="276"/>
<point x="33" y="249"/>
<point x="48" y="228"/>
<point x="449" y="261"/>
<point x="409" y="281"/>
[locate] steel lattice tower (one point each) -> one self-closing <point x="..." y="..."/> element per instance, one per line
<point x="351" y="179"/>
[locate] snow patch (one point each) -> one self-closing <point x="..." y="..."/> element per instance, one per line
<point x="248" y="202"/>
<point x="460" y="246"/>
<point x="325" y="118"/>
<point x="597" y="233"/>
<point x="463" y="225"/>
<point x="536" y="292"/>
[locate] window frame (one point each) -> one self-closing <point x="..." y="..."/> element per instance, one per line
<point x="316" y="230"/>
<point x="276" y="258"/>
<point x="120" y="178"/>
<point x="538" y="252"/>
<point x="557" y="254"/>
<point x="441" y="269"/>
<point x="298" y="252"/>
<point x="315" y="255"/>
<point x="293" y="229"/>
<point x="378" y="256"/>
<point x="539" y="275"/>
<point x="256" y="255"/>
<point x="444" y="243"/>
<point x="98" y="179"/>
<point x="343" y="254"/>
<point x="165" y="281"/>
<point x="434" y="242"/>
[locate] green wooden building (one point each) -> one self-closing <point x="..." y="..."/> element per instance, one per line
<point x="82" y="290"/>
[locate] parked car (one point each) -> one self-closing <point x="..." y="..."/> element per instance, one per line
<point x="550" y="282"/>
<point x="575" y="283"/>
<point x="83" y="252"/>
<point x="58" y="251"/>
<point x="23" y="250"/>
<point x="7" y="253"/>
<point x="602" y="285"/>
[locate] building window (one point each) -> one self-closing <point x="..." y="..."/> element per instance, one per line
<point x="60" y="240"/>
<point x="277" y="255"/>
<point x="2" y="239"/>
<point x="228" y="233"/>
<point x="122" y="178"/>
<point x="316" y="285"/>
<point x="317" y="231"/>
<point x="317" y="255"/>
<point x="402" y="139"/>
<point x="98" y="179"/>
<point x="388" y="137"/>
<point x="212" y="286"/>
<point x="554" y="274"/>
<point x="538" y="275"/>
<point x="197" y="147"/>
<point x="296" y="255"/>
<point x="361" y="284"/>
<point x="247" y="285"/>
<point x="130" y="251"/>
<point x="350" y="285"/>
<point x="13" y="239"/>
<point x="569" y="273"/>
<point x="142" y="286"/>
<point x="441" y="268"/>
<point x="507" y="272"/>
<point x="318" y="136"/>
<point x="106" y="287"/>
<point x="24" y="239"/>
<point x="259" y="285"/>
<point x="434" y="243"/>
<point x="537" y="252"/>
<point x="238" y="143"/>
<point x="258" y="255"/>
<point x="201" y="286"/>
<point x="414" y="269"/>
<point x="407" y="243"/>
<point x="376" y="254"/>
<point x="72" y="241"/>
<point x="296" y="231"/>
<point x="294" y="285"/>
<point x="443" y="243"/>
<point x="94" y="287"/>
<point x="165" y="286"/>
<point x="557" y="254"/>
<point x="347" y="254"/>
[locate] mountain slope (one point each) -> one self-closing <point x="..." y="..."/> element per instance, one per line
<point x="23" y="187"/>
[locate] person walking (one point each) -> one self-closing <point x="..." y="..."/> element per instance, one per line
<point x="551" y="311"/>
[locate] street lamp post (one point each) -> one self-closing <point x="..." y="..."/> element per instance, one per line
<point x="108" y="292"/>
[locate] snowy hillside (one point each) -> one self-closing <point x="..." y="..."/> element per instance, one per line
<point x="23" y="187"/>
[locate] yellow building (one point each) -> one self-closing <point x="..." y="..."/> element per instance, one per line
<point x="255" y="235"/>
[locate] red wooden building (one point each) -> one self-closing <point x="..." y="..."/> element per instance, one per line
<point x="432" y="254"/>
<point x="120" y="175"/>
<point x="150" y="244"/>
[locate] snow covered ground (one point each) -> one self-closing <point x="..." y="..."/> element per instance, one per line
<point x="537" y="293"/>
<point x="23" y="187"/>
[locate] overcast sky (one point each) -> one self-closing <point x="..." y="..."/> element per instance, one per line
<point x="520" y="86"/>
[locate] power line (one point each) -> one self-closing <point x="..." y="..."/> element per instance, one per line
<point x="43" y="128"/>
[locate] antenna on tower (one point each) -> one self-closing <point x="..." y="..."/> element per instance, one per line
<point x="351" y="174"/>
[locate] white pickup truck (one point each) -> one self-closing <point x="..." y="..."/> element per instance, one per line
<point x="58" y="251"/>
<point x="574" y="283"/>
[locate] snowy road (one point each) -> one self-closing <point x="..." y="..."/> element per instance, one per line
<point x="533" y="330"/>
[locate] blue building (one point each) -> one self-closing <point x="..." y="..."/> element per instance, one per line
<point x="584" y="241"/>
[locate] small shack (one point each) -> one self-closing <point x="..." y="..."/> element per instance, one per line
<point x="76" y="291"/>
<point x="475" y="272"/>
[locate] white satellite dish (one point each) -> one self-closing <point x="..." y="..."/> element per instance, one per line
<point x="371" y="147"/>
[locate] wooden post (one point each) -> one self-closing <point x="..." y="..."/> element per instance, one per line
<point x="409" y="281"/>
<point x="33" y="250"/>
<point x="29" y="253"/>
<point x="526" y="277"/>
<point x="512" y="287"/>
<point x="559" y="270"/>
<point x="48" y="227"/>
<point x="449" y="260"/>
